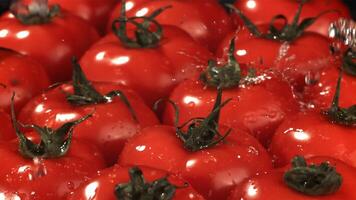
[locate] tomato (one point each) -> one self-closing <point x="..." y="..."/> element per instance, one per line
<point x="210" y="157"/>
<point x="192" y="16"/>
<point x="49" y="166"/>
<point x="6" y="130"/>
<point x="96" y="12"/>
<point x="50" y="41"/>
<point x="151" y="69"/>
<point x="262" y="11"/>
<point x="113" y="120"/>
<point x="296" y="59"/>
<point x="107" y="184"/>
<point x="21" y="75"/>
<point x="272" y="186"/>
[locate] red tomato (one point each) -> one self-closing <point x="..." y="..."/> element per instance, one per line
<point x="52" y="42"/>
<point x="21" y="75"/>
<point x="195" y="17"/>
<point x="151" y="69"/>
<point x="211" y="171"/>
<point x="96" y="12"/>
<point x="112" y="122"/>
<point x="258" y="108"/>
<point x="296" y="59"/>
<point x="321" y="93"/>
<point x="311" y="134"/>
<point x="6" y="130"/>
<point x="104" y="185"/>
<point x="46" y="167"/>
<point x="262" y="11"/>
<point x="271" y="186"/>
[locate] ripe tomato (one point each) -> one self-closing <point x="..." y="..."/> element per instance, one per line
<point x="311" y="134"/>
<point x="210" y="157"/>
<point x="296" y="59"/>
<point x="113" y="121"/>
<point x="151" y="69"/>
<point x="96" y="12"/>
<point x="49" y="166"/>
<point x="6" y="130"/>
<point x="192" y="16"/>
<point x="109" y="182"/>
<point x="21" y="75"/>
<point x="51" y="41"/>
<point x="262" y="11"/>
<point x="271" y="186"/>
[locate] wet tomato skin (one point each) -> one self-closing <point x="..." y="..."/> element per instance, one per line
<point x="212" y="171"/>
<point x="257" y="109"/>
<point x="6" y="130"/>
<point x="110" y="126"/>
<point x="66" y="36"/>
<point x="270" y="186"/>
<point x="192" y="16"/>
<point x="102" y="186"/>
<point x="47" y="178"/>
<point x="151" y="72"/>
<point x="311" y="134"/>
<point x="22" y="75"/>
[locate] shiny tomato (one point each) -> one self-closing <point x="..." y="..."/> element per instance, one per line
<point x="272" y="186"/>
<point x="96" y="12"/>
<point x="262" y="11"/>
<point x="21" y="75"/>
<point x="311" y="134"/>
<point x="296" y="59"/>
<point x="110" y="182"/>
<point x="212" y="171"/>
<point x="6" y="130"/>
<point x="50" y="41"/>
<point x="47" y="166"/>
<point x="114" y="120"/>
<point x="151" y="68"/>
<point x="195" y="17"/>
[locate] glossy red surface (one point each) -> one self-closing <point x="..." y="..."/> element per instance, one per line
<point x="52" y="44"/>
<point x="102" y="186"/>
<point x="109" y="127"/>
<point x="212" y="171"/>
<point x="6" y="130"/>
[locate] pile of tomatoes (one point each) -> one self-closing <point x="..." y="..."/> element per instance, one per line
<point x="177" y="99"/>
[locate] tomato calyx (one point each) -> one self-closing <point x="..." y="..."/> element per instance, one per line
<point x="37" y="12"/>
<point x="139" y="189"/>
<point x="349" y="62"/>
<point x="288" y="32"/>
<point x="338" y="115"/>
<point x="86" y="94"/>
<point x="313" y="180"/>
<point x="145" y="36"/>
<point x="226" y="76"/>
<point x="54" y="143"/>
<point x="203" y="133"/>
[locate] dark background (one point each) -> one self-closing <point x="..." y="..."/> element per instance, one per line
<point x="4" y="4"/>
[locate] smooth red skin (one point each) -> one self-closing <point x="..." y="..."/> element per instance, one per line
<point x="311" y="134"/>
<point x="63" y="174"/>
<point x="271" y="186"/>
<point x="52" y="44"/>
<point x="258" y="109"/>
<point x="21" y="75"/>
<point x="309" y="53"/>
<point x="102" y="186"/>
<point x="212" y="172"/>
<point x="321" y="94"/>
<point x="109" y="127"/>
<point x="96" y="12"/>
<point x="264" y="11"/>
<point x="6" y="130"/>
<point x="192" y="16"/>
<point x="152" y="72"/>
